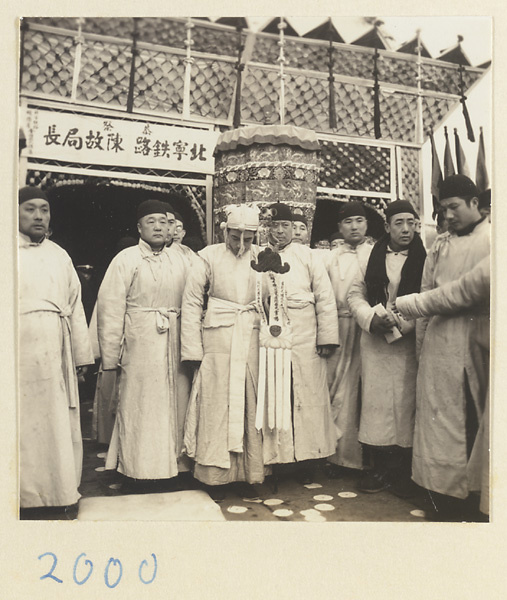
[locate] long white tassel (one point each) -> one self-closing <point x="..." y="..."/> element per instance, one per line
<point x="279" y="387"/>
<point x="271" y="388"/>
<point x="286" y="412"/>
<point x="261" y="391"/>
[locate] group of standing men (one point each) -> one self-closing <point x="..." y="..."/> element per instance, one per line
<point x="368" y="381"/>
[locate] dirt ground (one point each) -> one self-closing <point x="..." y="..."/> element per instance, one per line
<point x="326" y="499"/>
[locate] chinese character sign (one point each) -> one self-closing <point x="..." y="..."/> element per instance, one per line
<point x="99" y="140"/>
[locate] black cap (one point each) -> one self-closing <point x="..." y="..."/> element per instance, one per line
<point x="351" y="209"/>
<point x="280" y="212"/>
<point x="400" y="206"/>
<point x="459" y="186"/>
<point x="150" y="207"/>
<point x="177" y="217"/>
<point x="336" y="235"/>
<point x="31" y="193"/>
<point x="299" y="218"/>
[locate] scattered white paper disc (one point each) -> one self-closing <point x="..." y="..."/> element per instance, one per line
<point x="347" y="495"/>
<point x="90" y="410"/>
<point x="312" y="486"/>
<point x="313" y="515"/>
<point x="256" y="500"/>
<point x="283" y="512"/>
<point x="237" y="509"/>
<point x="100" y="469"/>
<point x="324" y="507"/>
<point x="418" y="513"/>
<point x="115" y="486"/>
<point x="87" y="439"/>
<point x="322" y="498"/>
<point x="273" y="502"/>
<point x="102" y="455"/>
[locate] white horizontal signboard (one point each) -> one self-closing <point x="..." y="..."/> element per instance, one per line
<point x="100" y="140"/>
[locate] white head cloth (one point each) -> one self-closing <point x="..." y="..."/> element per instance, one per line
<point x="242" y="218"/>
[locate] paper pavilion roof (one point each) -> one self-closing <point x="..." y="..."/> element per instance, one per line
<point x="48" y="63"/>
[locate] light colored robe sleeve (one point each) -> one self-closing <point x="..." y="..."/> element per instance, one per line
<point x="81" y="345"/>
<point x="111" y="308"/>
<point x="467" y="291"/>
<point x="426" y="284"/>
<point x="192" y="310"/>
<point x="358" y="303"/>
<point x="325" y="304"/>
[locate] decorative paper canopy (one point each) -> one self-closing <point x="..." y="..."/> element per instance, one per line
<point x="268" y="134"/>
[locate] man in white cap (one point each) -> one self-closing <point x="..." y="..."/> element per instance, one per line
<point x="220" y="433"/>
<point x="452" y="374"/>
<point x="138" y="310"/>
<point x="53" y="341"/>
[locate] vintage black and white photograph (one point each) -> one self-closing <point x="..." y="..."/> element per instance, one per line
<point x="254" y="269"/>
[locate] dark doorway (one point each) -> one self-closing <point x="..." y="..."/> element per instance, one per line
<point x="325" y="222"/>
<point x="88" y="220"/>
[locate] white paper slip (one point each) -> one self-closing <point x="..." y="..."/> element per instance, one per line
<point x="347" y="495"/>
<point x="237" y="510"/>
<point x="273" y="502"/>
<point x="312" y="486"/>
<point x="282" y="512"/>
<point x="324" y="507"/>
<point x="322" y="498"/>
<point x="393" y="335"/>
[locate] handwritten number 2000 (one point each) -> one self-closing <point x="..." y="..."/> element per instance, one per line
<point x="112" y="573"/>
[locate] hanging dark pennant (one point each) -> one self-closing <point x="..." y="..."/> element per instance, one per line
<point x="130" y="95"/>
<point x="236" y="122"/>
<point x="436" y="178"/>
<point x="23" y="29"/>
<point x="376" y="97"/>
<point x="332" y="103"/>
<point x="470" y="131"/>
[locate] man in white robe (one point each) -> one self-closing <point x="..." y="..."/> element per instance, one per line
<point x="300" y="230"/>
<point x="138" y="310"/>
<point x="452" y="373"/>
<point x="220" y="433"/>
<point x="388" y="360"/>
<point x="314" y="320"/>
<point x="470" y="291"/>
<point x="344" y="366"/>
<point x="53" y="341"/>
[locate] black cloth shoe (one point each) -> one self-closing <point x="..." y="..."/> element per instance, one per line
<point x="332" y="471"/>
<point x="373" y="482"/>
<point x="404" y="488"/>
<point x="305" y="476"/>
<point x="245" y="490"/>
<point x="217" y="492"/>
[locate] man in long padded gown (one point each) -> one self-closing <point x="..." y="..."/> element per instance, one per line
<point x="53" y="341"/>
<point x="138" y="310"/>
<point x="344" y="366"/>
<point x="220" y="433"/>
<point x="313" y="316"/>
